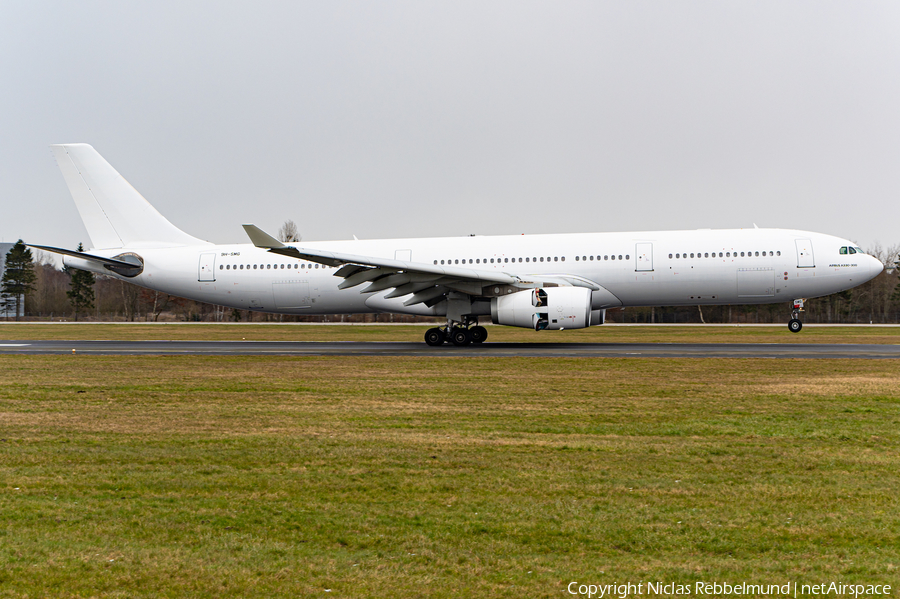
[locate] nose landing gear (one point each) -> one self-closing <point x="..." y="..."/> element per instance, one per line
<point x="794" y="324"/>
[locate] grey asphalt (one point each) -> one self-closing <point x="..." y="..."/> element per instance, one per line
<point x="353" y="348"/>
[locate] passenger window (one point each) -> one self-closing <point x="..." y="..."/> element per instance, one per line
<point x="317" y="266"/>
<point x="506" y="260"/>
<point x="555" y="259"/>
<point x="670" y="255"/>
<point x="692" y="254"/>
<point x="542" y="258"/>
<point x="706" y="255"/>
<point x="604" y="257"/>
<point x="577" y="258"/>
<point x="584" y="257"/>
<point x="254" y="267"/>
<point x="757" y="253"/>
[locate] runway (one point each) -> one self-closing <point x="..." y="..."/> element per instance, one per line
<point x="487" y="350"/>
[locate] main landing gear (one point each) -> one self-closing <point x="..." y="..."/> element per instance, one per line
<point x="456" y="333"/>
<point x="794" y="324"/>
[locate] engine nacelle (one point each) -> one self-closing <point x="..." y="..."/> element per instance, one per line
<point x="551" y="308"/>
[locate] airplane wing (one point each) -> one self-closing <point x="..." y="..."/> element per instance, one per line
<point x="427" y="282"/>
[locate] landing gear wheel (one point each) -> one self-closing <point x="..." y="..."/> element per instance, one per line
<point x="460" y="337"/>
<point x="795" y="325"/>
<point x="478" y="334"/>
<point x="434" y="337"/>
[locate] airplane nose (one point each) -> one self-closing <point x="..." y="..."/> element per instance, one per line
<point x="874" y="267"/>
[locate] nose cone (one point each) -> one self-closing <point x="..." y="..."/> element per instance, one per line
<point x="873" y="267"/>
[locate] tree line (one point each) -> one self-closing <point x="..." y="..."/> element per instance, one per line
<point x="35" y="289"/>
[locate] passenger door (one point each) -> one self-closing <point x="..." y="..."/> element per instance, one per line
<point x="207" y="268"/>
<point x="643" y="255"/>
<point x="805" y="258"/>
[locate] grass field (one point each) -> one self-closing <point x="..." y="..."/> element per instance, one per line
<point x="409" y="477"/>
<point x="601" y="334"/>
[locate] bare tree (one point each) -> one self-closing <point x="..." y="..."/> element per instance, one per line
<point x="50" y="287"/>
<point x="130" y="300"/>
<point x="289" y="232"/>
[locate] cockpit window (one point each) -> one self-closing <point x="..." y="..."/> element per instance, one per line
<point x="844" y="250"/>
<point x="852" y="250"/>
<point x="859" y="251"/>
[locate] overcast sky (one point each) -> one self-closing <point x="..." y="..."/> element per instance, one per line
<point x="407" y="119"/>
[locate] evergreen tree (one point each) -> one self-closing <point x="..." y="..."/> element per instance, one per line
<point x="81" y="288"/>
<point x="19" y="277"/>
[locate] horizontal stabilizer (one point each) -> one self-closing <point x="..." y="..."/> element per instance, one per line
<point x="125" y="262"/>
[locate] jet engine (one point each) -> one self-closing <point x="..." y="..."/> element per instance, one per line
<point x="551" y="308"/>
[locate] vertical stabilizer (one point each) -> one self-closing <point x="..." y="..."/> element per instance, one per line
<point x="114" y="213"/>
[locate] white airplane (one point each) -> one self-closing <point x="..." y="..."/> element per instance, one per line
<point x="541" y="282"/>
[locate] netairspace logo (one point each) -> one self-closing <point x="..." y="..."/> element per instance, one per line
<point x="724" y="589"/>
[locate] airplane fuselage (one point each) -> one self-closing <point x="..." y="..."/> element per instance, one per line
<point x="657" y="268"/>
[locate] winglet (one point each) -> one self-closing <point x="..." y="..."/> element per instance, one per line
<point x="261" y="239"/>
